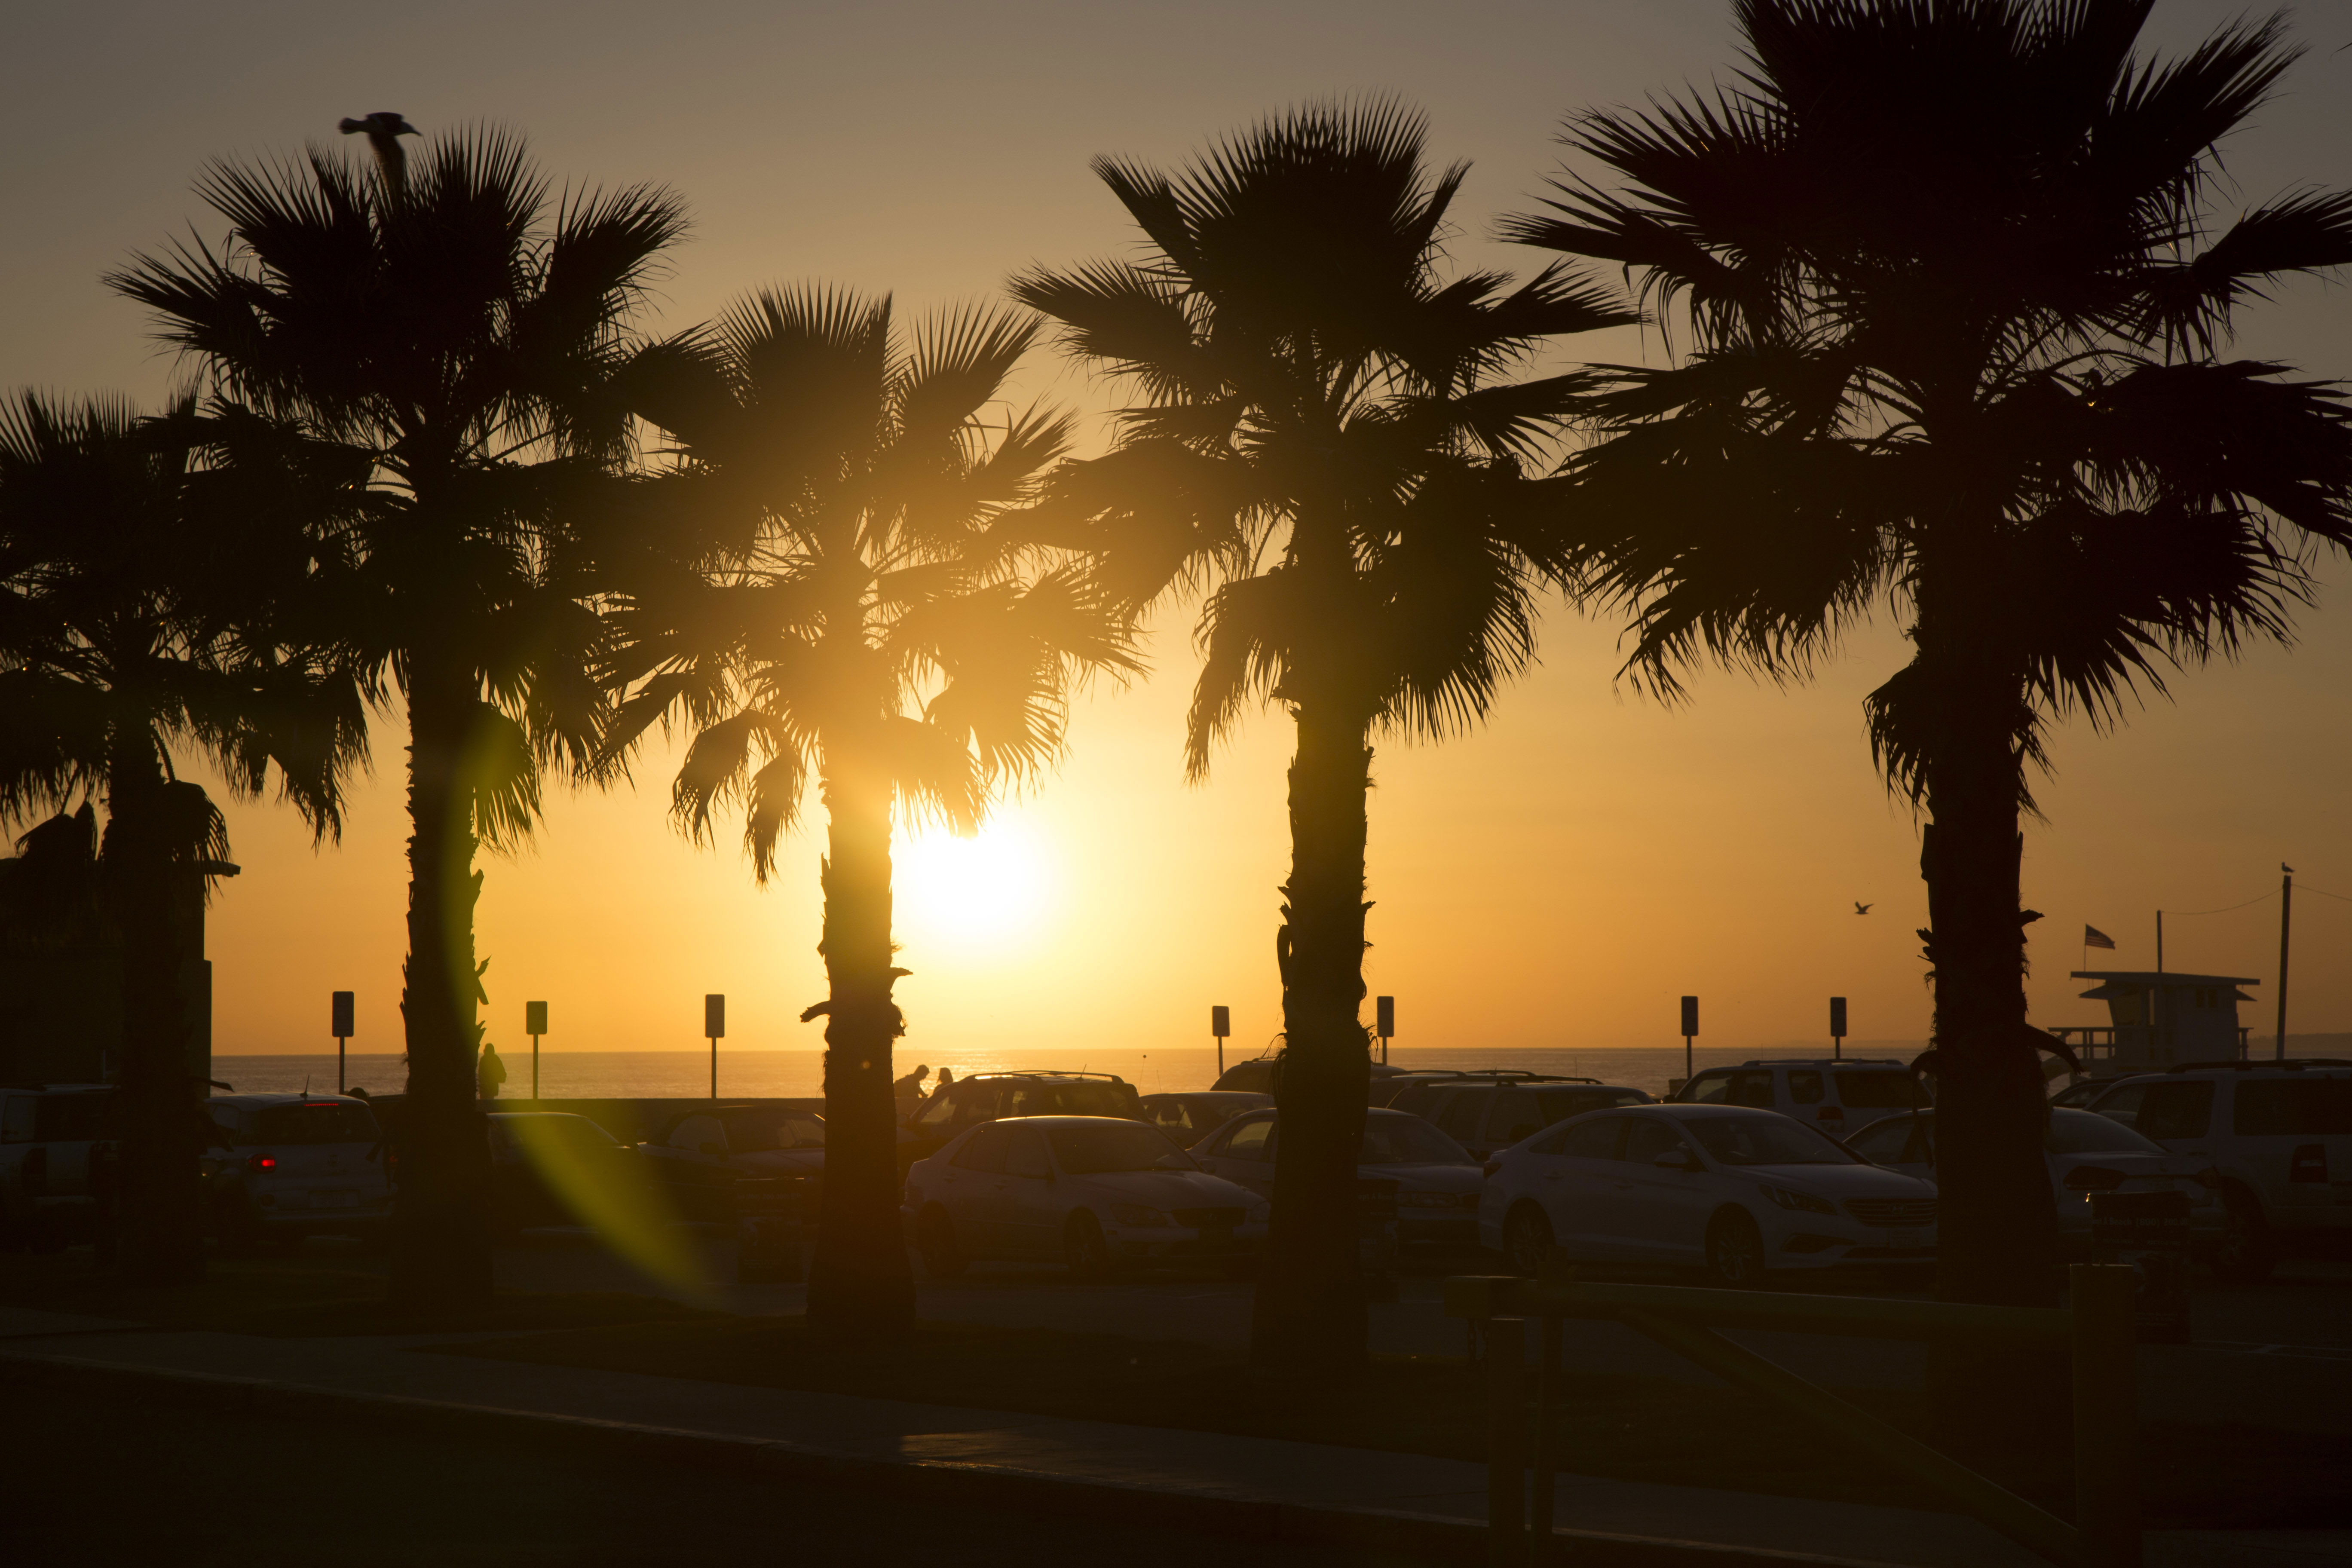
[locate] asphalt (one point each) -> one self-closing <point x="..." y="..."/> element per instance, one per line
<point x="1252" y="1486"/>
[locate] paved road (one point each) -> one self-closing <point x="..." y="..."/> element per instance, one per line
<point x="2275" y="1354"/>
<point x="101" y="1483"/>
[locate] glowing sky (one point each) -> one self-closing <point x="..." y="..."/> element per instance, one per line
<point x="1559" y="878"/>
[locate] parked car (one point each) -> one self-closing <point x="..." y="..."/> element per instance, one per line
<point x="1099" y="1193"/>
<point x="1735" y="1191"/>
<point x="1841" y="1097"/>
<point x="55" y="1141"/>
<point x="1438" y="1184"/>
<point x="988" y="1096"/>
<point x="552" y="1167"/>
<point x="1189" y="1118"/>
<point x="1260" y="1075"/>
<point x="703" y="1157"/>
<point x="290" y="1165"/>
<point x="2086" y="1155"/>
<point x="2279" y="1135"/>
<point x="1484" y="1112"/>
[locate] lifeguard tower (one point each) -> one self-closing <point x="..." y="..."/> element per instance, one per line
<point x="2158" y="1020"/>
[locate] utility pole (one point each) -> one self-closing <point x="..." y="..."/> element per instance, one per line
<point x="2287" y="914"/>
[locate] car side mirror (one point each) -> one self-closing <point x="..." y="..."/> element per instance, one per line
<point x="1676" y="1160"/>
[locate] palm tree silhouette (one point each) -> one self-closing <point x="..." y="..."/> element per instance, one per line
<point x="1324" y="444"/>
<point x="1954" y="314"/>
<point x="463" y="350"/>
<point x="823" y="609"/>
<point x="139" y="620"/>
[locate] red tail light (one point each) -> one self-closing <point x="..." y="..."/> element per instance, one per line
<point x="2092" y="1179"/>
<point x="2309" y="1164"/>
<point x="261" y="1163"/>
<point x="1489" y="1168"/>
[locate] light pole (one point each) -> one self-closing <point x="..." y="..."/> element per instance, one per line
<point x="534" y="1023"/>
<point x="343" y="1032"/>
<point x="714" y="1025"/>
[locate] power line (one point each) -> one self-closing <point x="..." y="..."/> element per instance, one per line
<point x="2323" y="892"/>
<point x="2227" y="907"/>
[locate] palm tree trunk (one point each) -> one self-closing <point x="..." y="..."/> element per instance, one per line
<point x="441" y="1239"/>
<point x="1309" y="1314"/>
<point x="860" y="1286"/>
<point x="158" y="1198"/>
<point x="1997" y="1231"/>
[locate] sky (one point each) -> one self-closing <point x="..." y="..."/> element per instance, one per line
<point x="1556" y="880"/>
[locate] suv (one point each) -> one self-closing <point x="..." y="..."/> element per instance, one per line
<point x="293" y="1166"/>
<point x="55" y="1141"/>
<point x="2280" y="1133"/>
<point x="988" y="1096"/>
<point x="1840" y="1097"/>
<point x="1484" y="1112"/>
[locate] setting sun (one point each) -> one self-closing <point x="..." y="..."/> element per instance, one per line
<point x="982" y="891"/>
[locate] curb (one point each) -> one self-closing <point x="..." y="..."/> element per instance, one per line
<point x="1429" y="1537"/>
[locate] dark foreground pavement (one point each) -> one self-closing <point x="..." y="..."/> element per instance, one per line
<point x="124" y="1480"/>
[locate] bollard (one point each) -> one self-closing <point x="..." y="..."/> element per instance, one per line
<point x="1507" y="1432"/>
<point x="2106" y="1415"/>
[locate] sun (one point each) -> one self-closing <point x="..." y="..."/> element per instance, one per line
<point x="983" y="891"/>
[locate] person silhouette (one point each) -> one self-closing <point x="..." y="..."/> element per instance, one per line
<point x="490" y="1072"/>
<point x="908" y="1091"/>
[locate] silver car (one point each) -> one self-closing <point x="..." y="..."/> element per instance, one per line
<point x="1096" y="1191"/>
<point x="285" y="1165"/>
<point x="1438" y="1184"/>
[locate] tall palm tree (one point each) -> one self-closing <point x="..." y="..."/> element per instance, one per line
<point x="825" y="611"/>
<point x="137" y="622"/>
<point x="462" y="340"/>
<point x="1954" y="314"/>
<point x="1324" y="445"/>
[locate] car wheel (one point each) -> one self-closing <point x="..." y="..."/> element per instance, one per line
<point x="935" y="1242"/>
<point x="1083" y="1249"/>
<point x="2247" y="1252"/>
<point x="1735" y="1251"/>
<point x="1527" y="1239"/>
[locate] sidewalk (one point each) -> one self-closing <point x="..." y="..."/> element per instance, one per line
<point x="1168" y="1466"/>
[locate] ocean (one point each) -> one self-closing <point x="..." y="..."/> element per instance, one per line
<point x="684" y="1075"/>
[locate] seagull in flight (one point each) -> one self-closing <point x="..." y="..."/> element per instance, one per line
<point x="384" y="130"/>
<point x="1860" y="907"/>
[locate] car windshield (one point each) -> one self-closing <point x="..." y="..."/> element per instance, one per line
<point x="1108" y="1146"/>
<point x="1763" y="1141"/>
<point x="754" y="1132"/>
<point x="1409" y="1141"/>
<point x="2082" y="1133"/>
<point x="1092" y="1099"/>
<point x="311" y="1121"/>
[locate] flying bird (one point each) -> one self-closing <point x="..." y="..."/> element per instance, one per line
<point x="1860" y="907"/>
<point x="384" y="131"/>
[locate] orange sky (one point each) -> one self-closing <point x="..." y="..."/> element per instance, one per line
<point x="1558" y="879"/>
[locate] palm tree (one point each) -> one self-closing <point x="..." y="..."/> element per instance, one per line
<point x="820" y="611"/>
<point x="137" y="621"/>
<point x="1324" y="445"/>
<point x="1954" y="314"/>
<point x="462" y="340"/>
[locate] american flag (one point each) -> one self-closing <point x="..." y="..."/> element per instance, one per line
<point x="2093" y="937"/>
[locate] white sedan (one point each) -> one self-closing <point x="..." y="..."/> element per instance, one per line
<point x="1096" y="1191"/>
<point x="1731" y="1190"/>
<point x="2086" y="1153"/>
